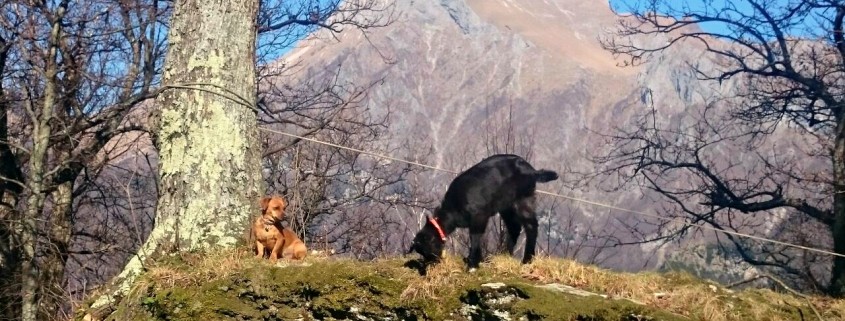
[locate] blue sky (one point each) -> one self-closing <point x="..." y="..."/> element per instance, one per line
<point x="740" y="6"/>
<point x="685" y="5"/>
<point x="737" y="8"/>
<point x="273" y="45"/>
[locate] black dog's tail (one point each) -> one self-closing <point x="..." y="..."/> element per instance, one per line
<point x="545" y="175"/>
<point x="541" y="176"/>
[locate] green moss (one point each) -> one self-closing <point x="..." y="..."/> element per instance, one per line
<point x="263" y="292"/>
<point x="542" y="304"/>
<point x="347" y="289"/>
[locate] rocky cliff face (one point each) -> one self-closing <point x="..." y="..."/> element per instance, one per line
<point x="454" y="67"/>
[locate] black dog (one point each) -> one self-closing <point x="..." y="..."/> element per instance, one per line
<point x="503" y="184"/>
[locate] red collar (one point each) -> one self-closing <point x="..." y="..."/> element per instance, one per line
<point x="437" y="227"/>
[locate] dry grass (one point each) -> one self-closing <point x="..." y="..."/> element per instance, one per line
<point x="677" y="293"/>
<point x="446" y="275"/>
<point x="212" y="266"/>
<point x="673" y="292"/>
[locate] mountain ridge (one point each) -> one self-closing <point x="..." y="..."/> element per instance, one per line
<point x="455" y="66"/>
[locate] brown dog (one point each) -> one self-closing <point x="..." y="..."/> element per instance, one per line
<point x="271" y="235"/>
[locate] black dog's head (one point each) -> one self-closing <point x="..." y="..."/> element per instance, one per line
<point x="427" y="243"/>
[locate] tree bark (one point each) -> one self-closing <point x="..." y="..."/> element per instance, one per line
<point x="56" y="256"/>
<point x="10" y="189"/>
<point x="41" y="130"/>
<point x="207" y="135"/>
<point x="837" y="229"/>
<point x="10" y="258"/>
<point x="837" y="282"/>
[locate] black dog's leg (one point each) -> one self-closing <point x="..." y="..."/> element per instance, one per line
<point x="530" y="239"/>
<point x="525" y="207"/>
<point x="509" y="217"/>
<point x="474" y="258"/>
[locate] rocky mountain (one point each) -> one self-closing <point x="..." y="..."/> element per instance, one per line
<point x="451" y="68"/>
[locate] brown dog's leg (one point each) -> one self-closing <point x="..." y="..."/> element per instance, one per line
<point x="299" y="251"/>
<point x="295" y="251"/>
<point x="259" y="249"/>
<point x="277" y="249"/>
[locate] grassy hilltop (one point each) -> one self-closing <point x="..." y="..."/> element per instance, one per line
<point x="235" y="286"/>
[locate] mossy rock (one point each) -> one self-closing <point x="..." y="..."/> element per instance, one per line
<point x="336" y="292"/>
<point x="343" y="289"/>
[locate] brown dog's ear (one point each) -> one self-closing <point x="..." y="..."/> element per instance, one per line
<point x="264" y="203"/>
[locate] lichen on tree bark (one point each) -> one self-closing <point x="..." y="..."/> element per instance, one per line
<point x="209" y="168"/>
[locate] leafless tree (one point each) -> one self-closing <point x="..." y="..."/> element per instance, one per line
<point x="324" y="185"/>
<point x="502" y="137"/>
<point x="62" y="101"/>
<point x="332" y="193"/>
<point x="767" y="153"/>
<point x="565" y="236"/>
<point x="73" y="74"/>
<point x="283" y="24"/>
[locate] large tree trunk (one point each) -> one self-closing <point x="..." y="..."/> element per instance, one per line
<point x="56" y="255"/>
<point x="27" y="229"/>
<point x="837" y="283"/>
<point x="41" y="131"/>
<point x="207" y="138"/>
<point x="10" y="189"/>
<point x="10" y="257"/>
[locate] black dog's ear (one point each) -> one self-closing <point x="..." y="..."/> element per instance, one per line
<point x="417" y="265"/>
